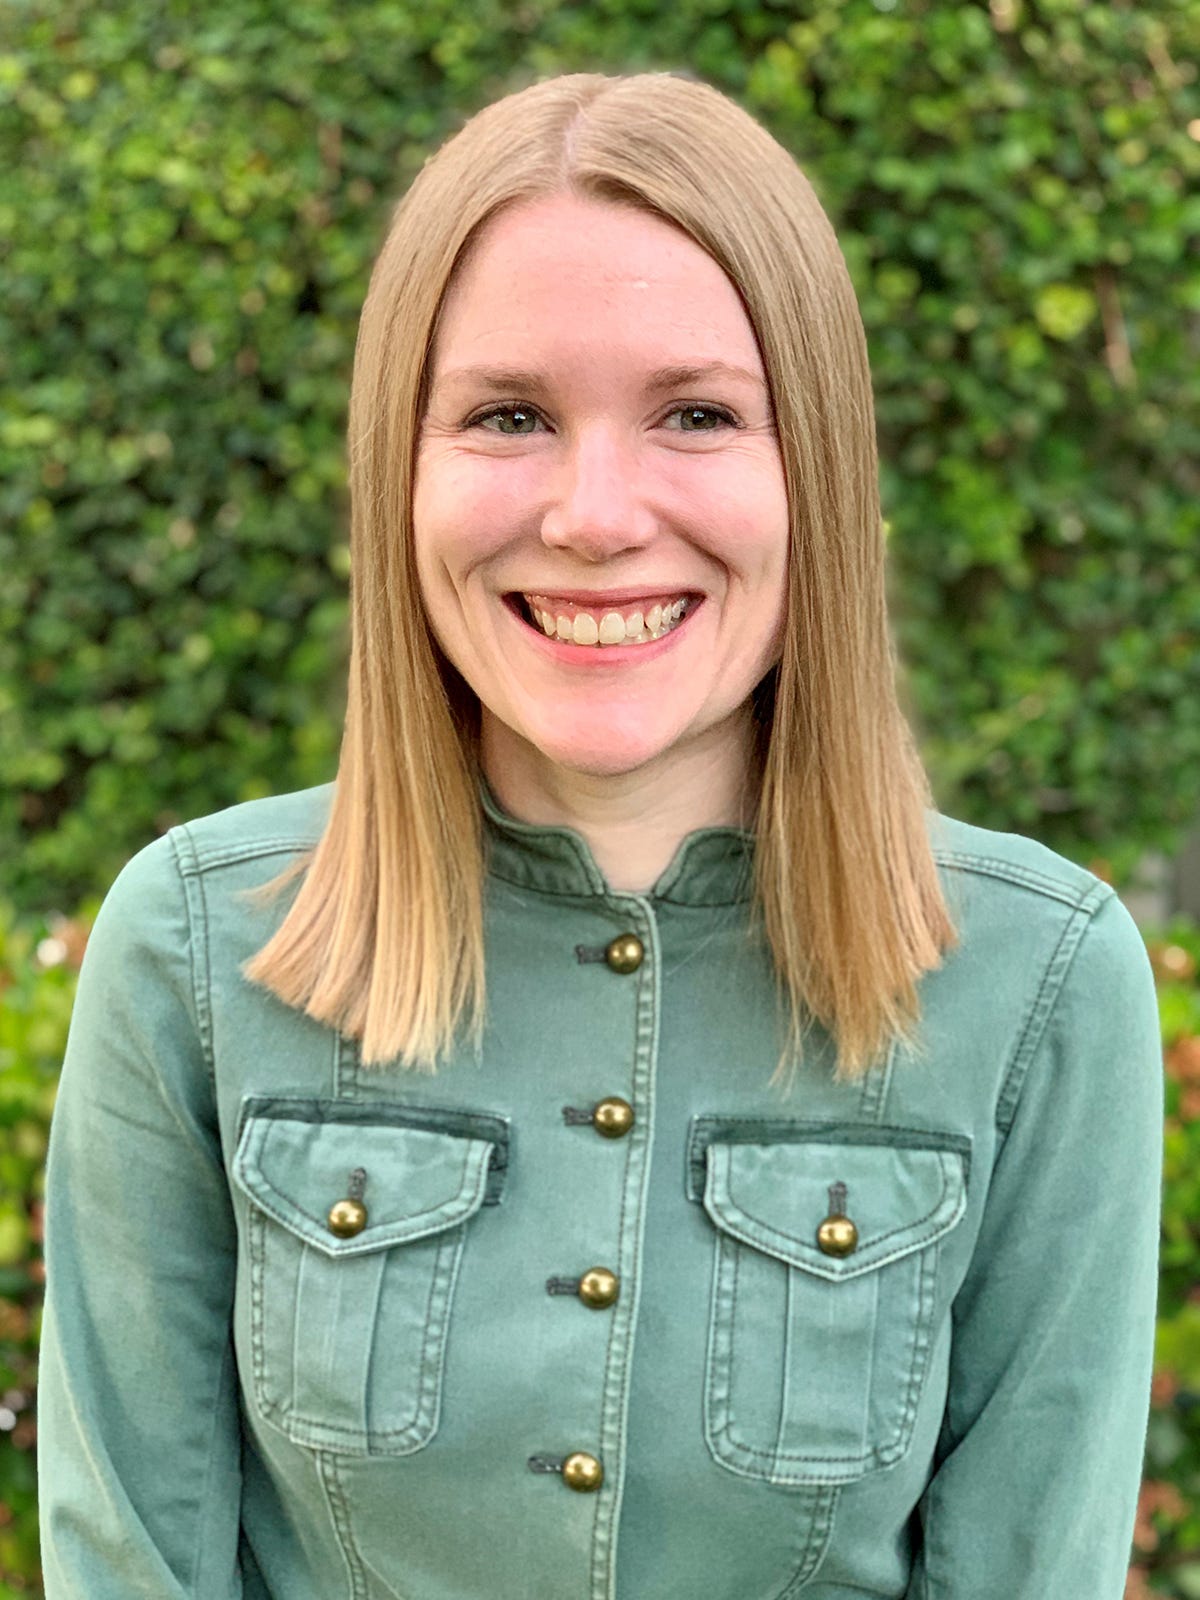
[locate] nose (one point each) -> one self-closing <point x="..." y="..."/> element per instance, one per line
<point x="597" y="509"/>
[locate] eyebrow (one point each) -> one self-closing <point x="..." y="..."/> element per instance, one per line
<point x="523" y="380"/>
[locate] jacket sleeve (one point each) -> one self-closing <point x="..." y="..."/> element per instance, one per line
<point x="1038" y="1465"/>
<point x="139" y="1459"/>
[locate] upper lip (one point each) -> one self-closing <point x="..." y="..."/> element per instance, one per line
<point x="610" y="597"/>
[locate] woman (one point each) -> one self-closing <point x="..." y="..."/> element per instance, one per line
<point x="781" y="1217"/>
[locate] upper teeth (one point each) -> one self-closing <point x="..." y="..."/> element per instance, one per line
<point x="636" y="625"/>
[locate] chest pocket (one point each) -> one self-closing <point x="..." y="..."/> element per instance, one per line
<point x="348" y="1331"/>
<point x="819" y="1337"/>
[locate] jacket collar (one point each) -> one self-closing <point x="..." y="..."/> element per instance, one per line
<point x="711" y="867"/>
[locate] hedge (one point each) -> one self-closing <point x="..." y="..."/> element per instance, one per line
<point x="190" y="202"/>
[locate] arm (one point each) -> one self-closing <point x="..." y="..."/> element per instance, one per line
<point x="1037" y="1471"/>
<point x="138" y="1432"/>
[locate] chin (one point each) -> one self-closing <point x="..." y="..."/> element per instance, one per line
<point x="602" y="757"/>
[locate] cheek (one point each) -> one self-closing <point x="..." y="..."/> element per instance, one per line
<point x="768" y="530"/>
<point x="747" y="531"/>
<point x="742" y="497"/>
<point x="464" y="513"/>
<point x="755" y="549"/>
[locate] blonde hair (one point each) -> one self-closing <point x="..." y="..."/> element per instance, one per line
<point x="384" y="939"/>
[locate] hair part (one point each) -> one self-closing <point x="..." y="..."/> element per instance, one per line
<point x="384" y="939"/>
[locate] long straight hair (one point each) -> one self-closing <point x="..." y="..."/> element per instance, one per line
<point x="384" y="938"/>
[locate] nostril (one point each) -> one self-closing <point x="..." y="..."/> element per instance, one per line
<point x="598" y="532"/>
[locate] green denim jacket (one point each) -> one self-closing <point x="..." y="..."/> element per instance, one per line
<point x="318" y="1331"/>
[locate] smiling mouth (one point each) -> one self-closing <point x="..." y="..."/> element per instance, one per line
<point x="602" y="627"/>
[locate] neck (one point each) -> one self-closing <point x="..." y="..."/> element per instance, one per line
<point x="633" y="822"/>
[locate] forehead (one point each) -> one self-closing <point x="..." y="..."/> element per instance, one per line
<point x="565" y="270"/>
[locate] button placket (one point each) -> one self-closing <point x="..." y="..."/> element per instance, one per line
<point x="599" y="1288"/>
<point x="636" y="1141"/>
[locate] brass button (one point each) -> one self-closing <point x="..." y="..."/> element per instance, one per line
<point x="583" y="1472"/>
<point x="625" y="953"/>
<point x="347" y="1217"/>
<point x="613" y="1117"/>
<point x="837" y="1236"/>
<point x="598" y="1287"/>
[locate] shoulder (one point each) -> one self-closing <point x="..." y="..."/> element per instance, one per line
<point x="1011" y="861"/>
<point x="1049" y="961"/>
<point x="279" y="825"/>
<point x="1023" y="907"/>
<point x="256" y="830"/>
<point x="1000" y="885"/>
<point x="1031" y="916"/>
<point x="157" y="897"/>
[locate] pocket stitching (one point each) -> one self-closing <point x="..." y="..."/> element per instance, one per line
<point x="717" y="1417"/>
<point x="837" y="1273"/>
<point x="741" y="1457"/>
<point x="707" y="1130"/>
<point x="920" y="1347"/>
<point x="257" y="1273"/>
<point x="723" y="1430"/>
<point x="901" y="1227"/>
<point x="353" y="1247"/>
<point x="420" y="1427"/>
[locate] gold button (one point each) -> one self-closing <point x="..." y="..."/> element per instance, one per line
<point x="598" y="1287"/>
<point x="347" y="1217"/>
<point x="624" y="953"/>
<point x="837" y="1236"/>
<point x="583" y="1472"/>
<point x="613" y="1117"/>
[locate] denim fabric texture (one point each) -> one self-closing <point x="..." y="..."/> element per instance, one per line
<point x="238" y="1400"/>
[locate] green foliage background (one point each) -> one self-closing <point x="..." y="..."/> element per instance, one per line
<point x="190" y="202"/>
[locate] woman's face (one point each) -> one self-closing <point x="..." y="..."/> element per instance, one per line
<point x="600" y="513"/>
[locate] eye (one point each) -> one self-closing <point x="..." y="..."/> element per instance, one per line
<point x="703" y="419"/>
<point x="510" y="419"/>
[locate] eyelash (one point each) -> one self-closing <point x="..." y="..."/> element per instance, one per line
<point x="725" y="415"/>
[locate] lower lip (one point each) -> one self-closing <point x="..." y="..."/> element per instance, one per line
<point x="591" y="656"/>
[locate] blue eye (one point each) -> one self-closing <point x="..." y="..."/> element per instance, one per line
<point x="518" y="416"/>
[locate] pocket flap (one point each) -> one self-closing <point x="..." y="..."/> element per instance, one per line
<point x="775" y="1197"/>
<point x="418" y="1180"/>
